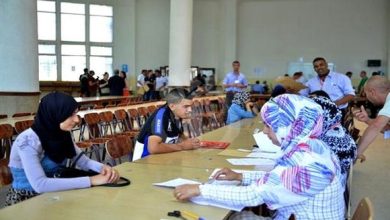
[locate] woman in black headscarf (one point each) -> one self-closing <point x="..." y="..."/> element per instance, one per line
<point x="38" y="152"/>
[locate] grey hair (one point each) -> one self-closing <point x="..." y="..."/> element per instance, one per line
<point x="177" y="95"/>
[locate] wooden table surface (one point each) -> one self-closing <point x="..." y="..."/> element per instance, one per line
<point x="239" y="135"/>
<point x="141" y="200"/>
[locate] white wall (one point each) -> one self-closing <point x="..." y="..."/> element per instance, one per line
<point x="345" y="32"/>
<point x="269" y="34"/>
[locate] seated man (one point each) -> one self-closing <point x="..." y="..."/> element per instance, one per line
<point x="377" y="90"/>
<point x="257" y="88"/>
<point x="162" y="130"/>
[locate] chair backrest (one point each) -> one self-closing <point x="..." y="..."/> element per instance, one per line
<point x="118" y="147"/>
<point x="364" y="210"/>
<point x="98" y="107"/>
<point x="151" y="109"/>
<point x="123" y="120"/>
<point x="21" y="126"/>
<point x="110" y="106"/>
<point x="92" y="121"/>
<point x="6" y="132"/>
<point x="5" y="173"/>
<point x="122" y="104"/>
<point x="143" y="111"/>
<point x="21" y="114"/>
<point x="134" y="119"/>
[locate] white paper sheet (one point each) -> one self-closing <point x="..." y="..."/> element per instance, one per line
<point x="251" y="162"/>
<point x="264" y="155"/>
<point x="264" y="143"/>
<point x="202" y="201"/>
<point x="176" y="182"/>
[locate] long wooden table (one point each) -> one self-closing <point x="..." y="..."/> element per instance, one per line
<point x="101" y="99"/>
<point x="140" y="200"/>
<point x="239" y="135"/>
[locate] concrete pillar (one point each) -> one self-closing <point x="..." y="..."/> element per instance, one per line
<point x="180" y="43"/>
<point x="18" y="46"/>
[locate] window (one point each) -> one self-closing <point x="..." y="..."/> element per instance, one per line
<point x="72" y="38"/>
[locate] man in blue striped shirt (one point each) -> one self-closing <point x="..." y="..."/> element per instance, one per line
<point x="163" y="132"/>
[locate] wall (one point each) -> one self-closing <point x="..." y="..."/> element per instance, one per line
<point x="345" y="32"/>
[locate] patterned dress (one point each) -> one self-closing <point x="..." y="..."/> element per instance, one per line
<point x="306" y="179"/>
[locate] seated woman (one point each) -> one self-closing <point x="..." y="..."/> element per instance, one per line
<point x="241" y="108"/>
<point x="336" y="136"/>
<point x="305" y="181"/>
<point x="40" y="150"/>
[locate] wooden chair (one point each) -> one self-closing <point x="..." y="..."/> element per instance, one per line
<point x="119" y="147"/>
<point x="134" y="119"/>
<point x="98" y="107"/>
<point x="122" y="104"/>
<point x="364" y="210"/>
<point x="21" y="114"/>
<point x="107" y="123"/>
<point x="151" y="109"/>
<point x="6" y="133"/>
<point x="5" y="173"/>
<point x="110" y="106"/>
<point x="124" y="124"/>
<point x="143" y="115"/>
<point x="21" y="126"/>
<point x="3" y="116"/>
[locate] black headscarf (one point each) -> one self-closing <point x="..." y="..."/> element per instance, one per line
<point x="53" y="109"/>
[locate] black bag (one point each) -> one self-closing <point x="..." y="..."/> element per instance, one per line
<point x="72" y="172"/>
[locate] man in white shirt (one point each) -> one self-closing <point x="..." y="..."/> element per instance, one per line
<point x="338" y="86"/>
<point x="141" y="79"/>
<point x="377" y="90"/>
<point x="161" y="84"/>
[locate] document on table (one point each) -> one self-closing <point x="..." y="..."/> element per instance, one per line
<point x="264" y="143"/>
<point x="176" y="182"/>
<point x="264" y="155"/>
<point x="251" y="161"/>
<point x="202" y="201"/>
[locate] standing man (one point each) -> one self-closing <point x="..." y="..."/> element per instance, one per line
<point x="377" y="90"/>
<point x="234" y="82"/>
<point x="116" y="84"/>
<point x="337" y="85"/>
<point x="363" y="75"/>
<point x="84" y="92"/>
<point x="163" y="131"/>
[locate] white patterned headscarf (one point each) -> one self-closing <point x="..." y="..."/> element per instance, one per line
<point x="240" y="98"/>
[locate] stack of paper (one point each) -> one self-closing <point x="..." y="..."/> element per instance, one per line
<point x="251" y="161"/>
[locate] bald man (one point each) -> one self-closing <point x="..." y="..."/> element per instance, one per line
<point x="377" y="90"/>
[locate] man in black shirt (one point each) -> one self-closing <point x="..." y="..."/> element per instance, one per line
<point x="116" y="84"/>
<point x="84" y="92"/>
<point x="162" y="132"/>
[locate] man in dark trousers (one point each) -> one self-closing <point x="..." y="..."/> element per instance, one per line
<point x="116" y="84"/>
<point x="84" y="92"/>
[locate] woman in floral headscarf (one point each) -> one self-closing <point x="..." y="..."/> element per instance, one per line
<point x="241" y="108"/>
<point x="336" y="136"/>
<point x="305" y="181"/>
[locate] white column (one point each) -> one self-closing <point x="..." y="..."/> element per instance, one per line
<point x="18" y="46"/>
<point x="180" y="42"/>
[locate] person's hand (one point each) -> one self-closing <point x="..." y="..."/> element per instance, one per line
<point x="107" y="175"/>
<point x="185" y="192"/>
<point x="361" y="115"/>
<point x="361" y="157"/>
<point x="190" y="143"/>
<point x="227" y="174"/>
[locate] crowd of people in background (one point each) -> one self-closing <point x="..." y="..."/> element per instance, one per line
<point x="92" y="87"/>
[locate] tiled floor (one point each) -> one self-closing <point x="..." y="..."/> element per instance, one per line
<point x="372" y="178"/>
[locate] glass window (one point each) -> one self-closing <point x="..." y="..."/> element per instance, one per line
<point x="72" y="27"/>
<point x="46" y="49"/>
<point x="72" y="67"/>
<point x="101" y="65"/>
<point x="101" y="51"/>
<point x="48" y="6"/>
<point x="46" y="26"/>
<point x="73" y="49"/>
<point x="100" y="29"/>
<point x="47" y="68"/>
<point x="100" y="10"/>
<point x="72" y="8"/>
